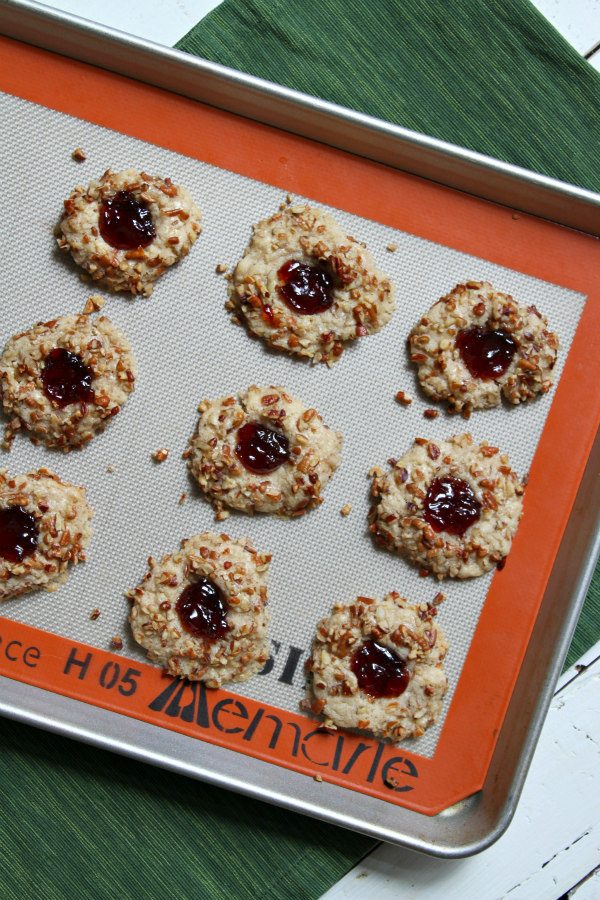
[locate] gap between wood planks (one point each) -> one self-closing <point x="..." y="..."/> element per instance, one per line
<point x="553" y="842"/>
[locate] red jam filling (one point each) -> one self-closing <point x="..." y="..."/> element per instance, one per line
<point x="451" y="505"/>
<point x="18" y="534"/>
<point x="260" y="449"/>
<point x="307" y="289"/>
<point x="66" y="378"/>
<point x="487" y="354"/>
<point x="125" y="222"/>
<point x="379" y="671"/>
<point x="202" y="610"/>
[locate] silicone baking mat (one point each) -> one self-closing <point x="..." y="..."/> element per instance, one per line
<point x="187" y="350"/>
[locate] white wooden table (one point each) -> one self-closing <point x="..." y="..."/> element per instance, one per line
<point x="552" y="847"/>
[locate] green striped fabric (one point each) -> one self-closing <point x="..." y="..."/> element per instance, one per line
<point x="492" y="76"/>
<point x="82" y="824"/>
<point x="488" y="75"/>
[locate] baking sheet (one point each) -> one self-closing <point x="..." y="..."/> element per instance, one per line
<point x="187" y="350"/>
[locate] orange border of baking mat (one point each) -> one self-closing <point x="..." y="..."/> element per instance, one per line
<point x="412" y="204"/>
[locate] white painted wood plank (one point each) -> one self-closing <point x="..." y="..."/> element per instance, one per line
<point x="588" y="889"/>
<point x="161" y="21"/>
<point x="577" y="20"/>
<point x="552" y="843"/>
<point x="594" y="60"/>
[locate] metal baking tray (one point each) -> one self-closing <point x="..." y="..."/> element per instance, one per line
<point x="475" y="822"/>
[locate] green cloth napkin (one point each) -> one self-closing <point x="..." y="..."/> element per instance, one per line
<point x="77" y="822"/>
<point x="495" y="77"/>
<point x="488" y="75"/>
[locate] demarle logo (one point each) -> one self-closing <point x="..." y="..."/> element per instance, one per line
<point x="194" y="704"/>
